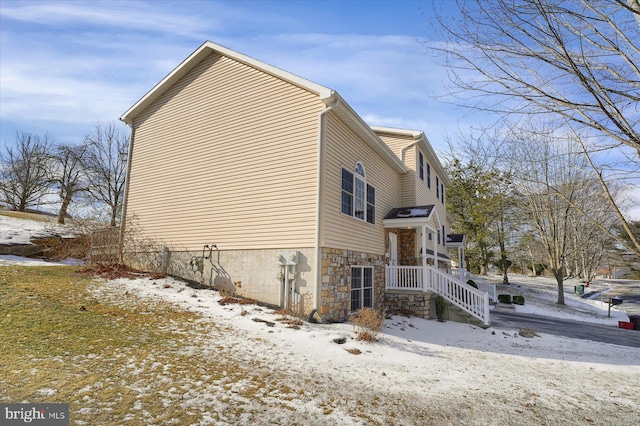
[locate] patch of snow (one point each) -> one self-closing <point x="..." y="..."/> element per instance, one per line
<point x="46" y="392"/>
<point x="413" y="213"/>
<point x="14" y="231"/>
<point x="10" y="259"/>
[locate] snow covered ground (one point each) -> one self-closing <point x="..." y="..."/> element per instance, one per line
<point x="420" y="372"/>
<point x="15" y="230"/>
<point x="541" y="295"/>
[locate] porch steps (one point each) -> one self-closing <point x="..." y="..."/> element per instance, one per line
<point x="455" y="314"/>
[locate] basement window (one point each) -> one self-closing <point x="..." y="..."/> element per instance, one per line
<point x="361" y="287"/>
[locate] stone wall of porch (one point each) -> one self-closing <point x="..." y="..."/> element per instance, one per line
<point x="335" y="292"/>
<point x="415" y="303"/>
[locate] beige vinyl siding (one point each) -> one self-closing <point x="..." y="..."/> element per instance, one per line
<point x="396" y="143"/>
<point x="342" y="149"/>
<point x="424" y="194"/>
<point x="407" y="181"/>
<point x="227" y="156"/>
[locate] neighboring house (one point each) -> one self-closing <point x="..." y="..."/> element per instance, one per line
<point x="260" y="181"/>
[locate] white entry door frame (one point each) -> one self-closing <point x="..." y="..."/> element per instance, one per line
<point x="393" y="249"/>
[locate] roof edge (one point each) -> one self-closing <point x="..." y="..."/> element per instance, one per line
<point x="404" y="132"/>
<point x="325" y="94"/>
<point x="366" y="132"/>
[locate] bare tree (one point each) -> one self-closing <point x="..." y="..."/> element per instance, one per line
<point x="105" y="162"/>
<point x="24" y="171"/>
<point x="552" y="179"/>
<point x="575" y="62"/>
<point x="68" y="175"/>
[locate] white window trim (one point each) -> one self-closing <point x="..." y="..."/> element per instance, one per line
<point x="366" y="184"/>
<point x="373" y="276"/>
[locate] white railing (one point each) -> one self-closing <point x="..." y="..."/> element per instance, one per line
<point x="461" y="294"/>
<point x="468" y="298"/>
<point x="404" y="278"/>
<point x="483" y="285"/>
<point x="460" y="274"/>
<point x="489" y="288"/>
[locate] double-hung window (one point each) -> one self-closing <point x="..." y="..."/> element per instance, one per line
<point x="361" y="287"/>
<point x="437" y="187"/>
<point x="421" y="165"/>
<point x="428" y="175"/>
<point x="358" y="197"/>
<point x="347" y="192"/>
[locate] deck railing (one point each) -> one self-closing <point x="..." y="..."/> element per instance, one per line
<point x="468" y="298"/>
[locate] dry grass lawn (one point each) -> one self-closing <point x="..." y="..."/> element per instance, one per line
<point x="113" y="362"/>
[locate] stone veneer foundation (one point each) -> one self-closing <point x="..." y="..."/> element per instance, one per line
<point x="416" y="303"/>
<point x="335" y="292"/>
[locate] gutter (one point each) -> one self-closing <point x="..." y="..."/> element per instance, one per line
<point x="319" y="197"/>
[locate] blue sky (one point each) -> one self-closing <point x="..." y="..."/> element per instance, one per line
<point x="66" y="65"/>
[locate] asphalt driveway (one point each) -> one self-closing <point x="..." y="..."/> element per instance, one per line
<point x="567" y="328"/>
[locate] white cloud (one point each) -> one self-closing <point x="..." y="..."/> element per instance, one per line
<point x="90" y="61"/>
<point x="124" y="15"/>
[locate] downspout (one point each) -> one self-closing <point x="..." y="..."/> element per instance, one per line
<point x="406" y="147"/>
<point x="319" y="199"/>
<point x="123" y="219"/>
<point x="402" y="151"/>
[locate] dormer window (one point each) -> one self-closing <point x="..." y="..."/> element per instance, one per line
<point x="358" y="197"/>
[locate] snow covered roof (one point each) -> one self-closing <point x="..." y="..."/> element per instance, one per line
<point x="455" y="240"/>
<point x="410" y="212"/>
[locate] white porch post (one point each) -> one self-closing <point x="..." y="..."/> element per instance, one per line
<point x="424" y="245"/>
<point x="435" y="250"/>
<point x="463" y="272"/>
<point x="423" y="237"/>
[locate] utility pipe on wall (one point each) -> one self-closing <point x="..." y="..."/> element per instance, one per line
<point x="125" y="198"/>
<point x="319" y="199"/>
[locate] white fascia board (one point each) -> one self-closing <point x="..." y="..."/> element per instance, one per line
<point x="414" y="222"/>
<point x="157" y="90"/>
<point x="415" y="134"/>
<point x="362" y="129"/>
<point x="454" y="245"/>
<point x="325" y="94"/>
<point x="431" y="154"/>
<point x="322" y="91"/>
<point x="423" y="141"/>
